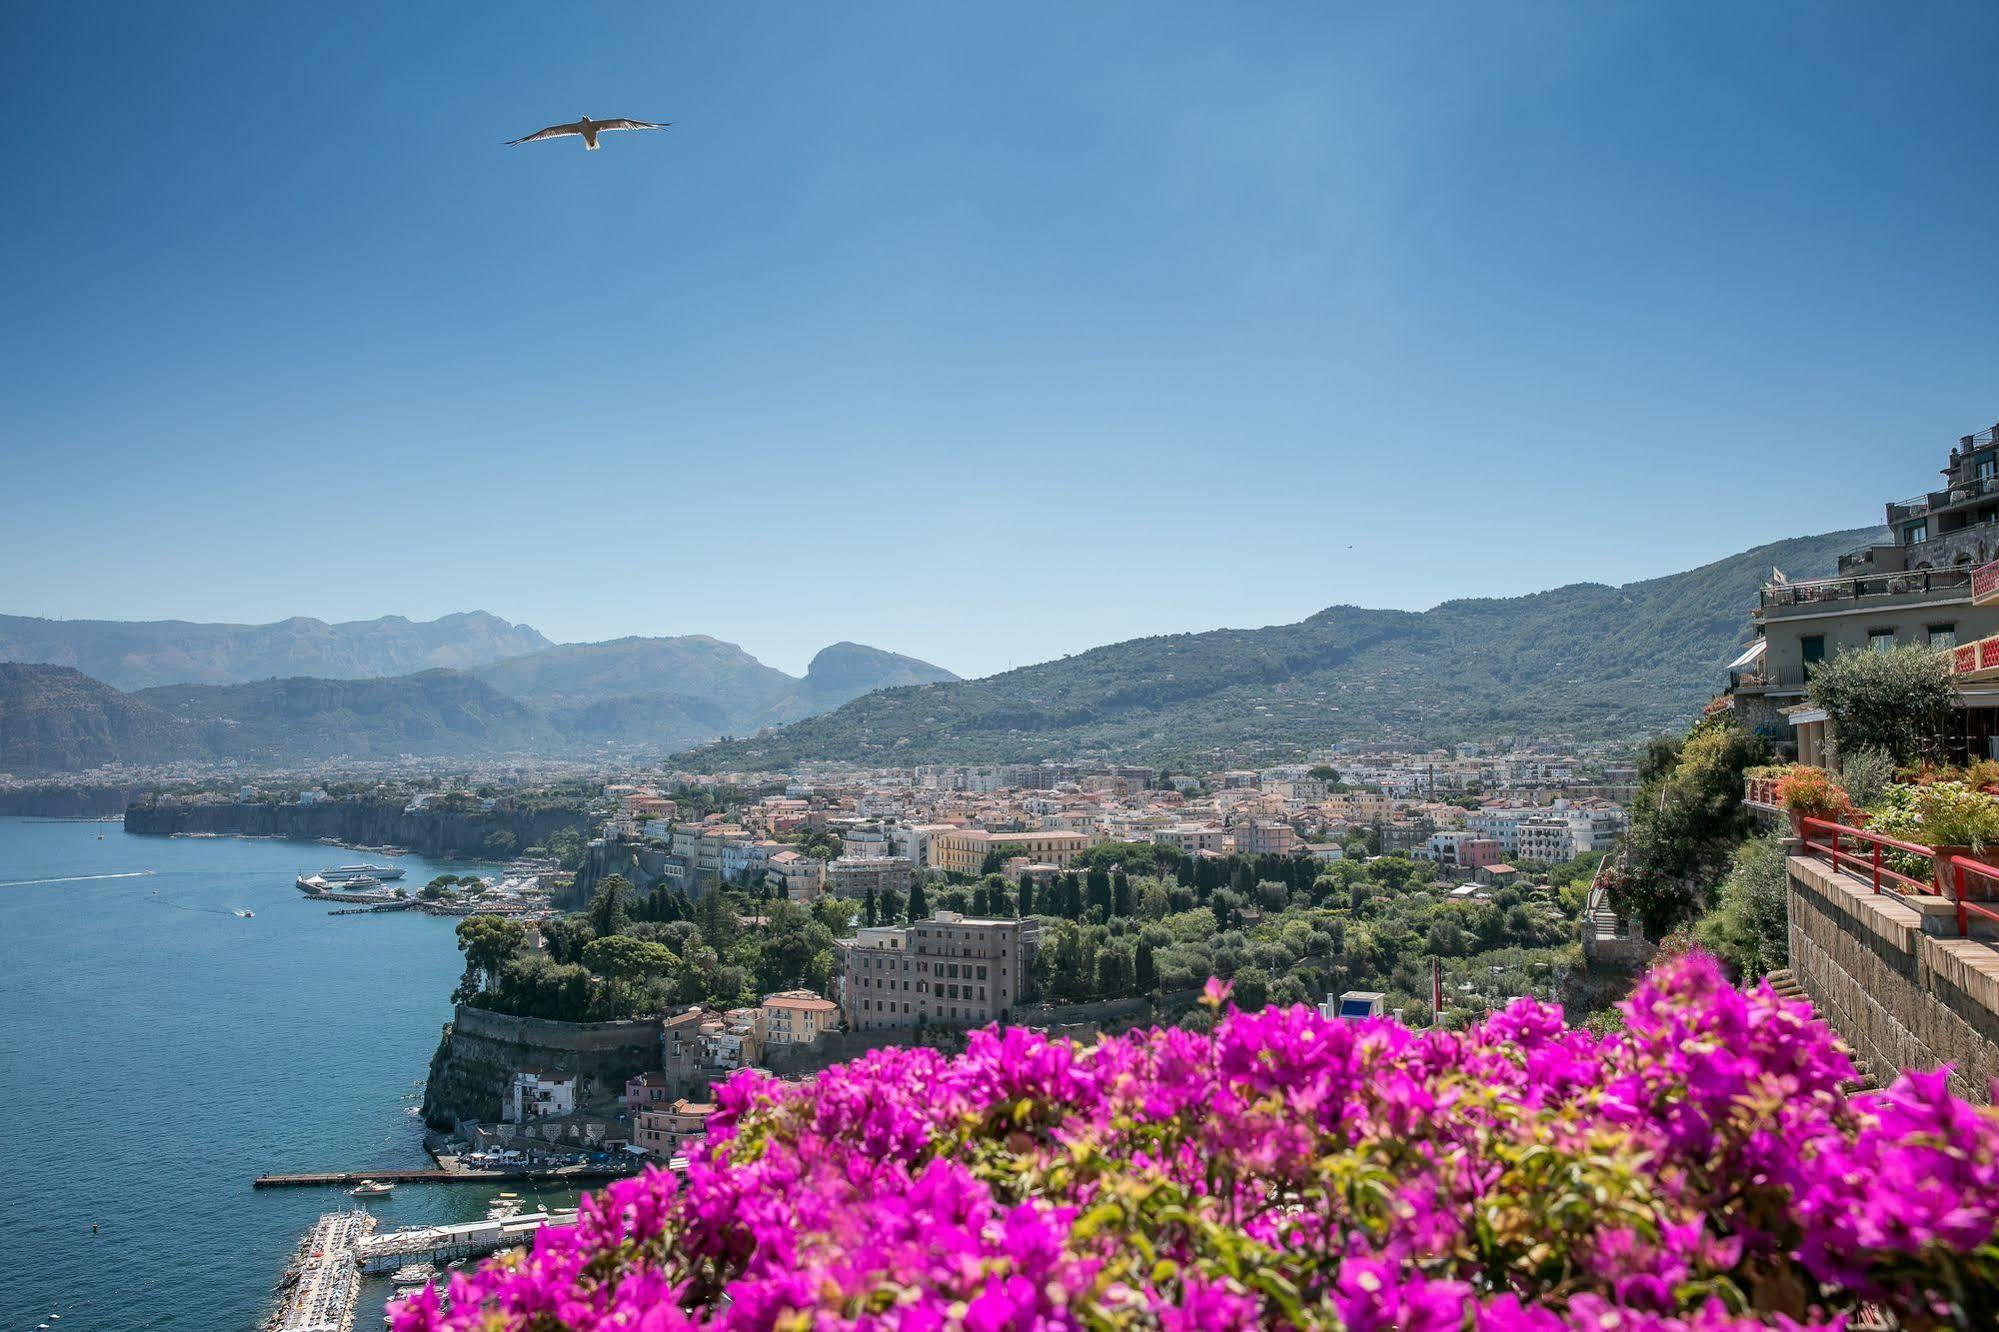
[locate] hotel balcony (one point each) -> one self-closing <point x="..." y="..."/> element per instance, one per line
<point x="1863" y="591"/>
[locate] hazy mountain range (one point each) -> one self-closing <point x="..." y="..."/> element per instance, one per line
<point x="1587" y="660"/>
<point x="358" y="690"/>
<point x="137" y="654"/>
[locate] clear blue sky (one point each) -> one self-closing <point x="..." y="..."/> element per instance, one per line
<point x="979" y="332"/>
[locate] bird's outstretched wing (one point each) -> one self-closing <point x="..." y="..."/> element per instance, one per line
<point x="552" y="132"/>
<point x="632" y="124"/>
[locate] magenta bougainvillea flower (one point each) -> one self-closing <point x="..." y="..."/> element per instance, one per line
<point x="1702" y="1170"/>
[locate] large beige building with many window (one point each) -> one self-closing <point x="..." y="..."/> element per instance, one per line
<point x="950" y="970"/>
<point x="964" y="850"/>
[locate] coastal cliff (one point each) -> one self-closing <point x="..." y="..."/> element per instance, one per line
<point x="640" y="864"/>
<point x="362" y="822"/>
<point x="481" y="1051"/>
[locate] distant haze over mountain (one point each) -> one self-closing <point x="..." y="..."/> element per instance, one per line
<point x="1586" y="660"/>
<point x="137" y="654"/>
<point x="634" y="694"/>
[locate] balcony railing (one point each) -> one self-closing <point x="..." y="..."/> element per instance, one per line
<point x="1781" y="677"/>
<point x="1863" y="588"/>
<point x="1963" y="492"/>
<point x="1961" y="868"/>
<point x="1866" y="855"/>
<point x="1903" y="510"/>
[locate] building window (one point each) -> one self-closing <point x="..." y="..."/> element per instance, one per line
<point x="1813" y="647"/>
<point x="1943" y="635"/>
<point x="1880" y="640"/>
<point x="1916" y="532"/>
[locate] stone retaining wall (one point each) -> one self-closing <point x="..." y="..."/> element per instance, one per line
<point x="1889" y="973"/>
<point x="481" y="1051"/>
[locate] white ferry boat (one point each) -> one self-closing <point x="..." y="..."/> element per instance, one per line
<point x="318" y="884"/>
<point x="348" y="873"/>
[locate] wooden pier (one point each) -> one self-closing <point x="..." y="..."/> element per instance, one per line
<point x="434" y="1175"/>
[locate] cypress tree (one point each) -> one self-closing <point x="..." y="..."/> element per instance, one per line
<point x="919" y="909"/>
<point x="1145" y="970"/>
<point x="870" y="908"/>
<point x="1121" y="903"/>
<point x="1026" y="896"/>
<point x="1100" y="892"/>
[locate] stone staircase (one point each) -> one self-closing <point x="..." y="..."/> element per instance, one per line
<point x="1787" y="987"/>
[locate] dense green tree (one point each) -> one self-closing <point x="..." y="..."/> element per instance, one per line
<point x="1026" y="895"/>
<point x="564" y="937"/>
<point x="1749" y="927"/>
<point x="919" y="909"/>
<point x="1900" y="701"/>
<point x="1685" y="825"/>
<point x="870" y="908"/>
<point x="610" y="906"/>
<point x="623" y="958"/>
<point x="1145" y="971"/>
<point x="487" y="942"/>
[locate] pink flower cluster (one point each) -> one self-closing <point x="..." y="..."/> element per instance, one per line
<point x="1700" y="1171"/>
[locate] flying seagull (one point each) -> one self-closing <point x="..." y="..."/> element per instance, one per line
<point x="588" y="128"/>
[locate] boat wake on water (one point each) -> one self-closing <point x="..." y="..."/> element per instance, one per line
<point x="76" y="878"/>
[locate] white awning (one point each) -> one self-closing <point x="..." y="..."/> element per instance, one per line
<point x="1751" y="653"/>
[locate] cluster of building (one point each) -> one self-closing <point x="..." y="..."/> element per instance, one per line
<point x="663" y="1109"/>
<point x="1463" y="808"/>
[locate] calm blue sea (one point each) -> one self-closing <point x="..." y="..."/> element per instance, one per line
<point x="158" y="1051"/>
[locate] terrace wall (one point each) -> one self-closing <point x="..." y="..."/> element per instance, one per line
<point x="1889" y="973"/>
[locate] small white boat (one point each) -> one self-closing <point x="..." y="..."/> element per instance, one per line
<point x="370" y="1188"/>
<point x="413" y="1274"/>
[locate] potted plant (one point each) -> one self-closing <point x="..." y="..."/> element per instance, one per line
<point x="1956" y="821"/>
<point x="1810" y="793"/>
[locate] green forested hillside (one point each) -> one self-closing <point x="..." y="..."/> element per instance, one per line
<point x="1587" y="660"/>
<point x="303" y="719"/>
<point x="56" y="719"/>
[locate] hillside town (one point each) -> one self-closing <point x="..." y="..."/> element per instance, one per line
<point x="868" y="852"/>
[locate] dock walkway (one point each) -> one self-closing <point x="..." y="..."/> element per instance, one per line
<point x="324" y="1279"/>
<point x="556" y="1175"/>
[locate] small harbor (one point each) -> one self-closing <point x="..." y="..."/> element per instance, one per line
<point x="322" y="1284"/>
<point x="323" y="1280"/>
<point x="444" y="1174"/>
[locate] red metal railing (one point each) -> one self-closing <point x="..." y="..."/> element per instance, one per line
<point x="1960" y="867"/>
<point x="1868" y="864"/>
<point x="1825" y="840"/>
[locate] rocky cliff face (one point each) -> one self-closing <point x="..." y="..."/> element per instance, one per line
<point x="361" y="822"/>
<point x="642" y="866"/>
<point x="480" y="1052"/>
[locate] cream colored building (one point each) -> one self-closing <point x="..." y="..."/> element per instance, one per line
<point x="964" y="851"/>
<point x="798" y="1017"/>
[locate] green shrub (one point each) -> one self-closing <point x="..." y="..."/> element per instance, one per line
<point x="1899" y="700"/>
